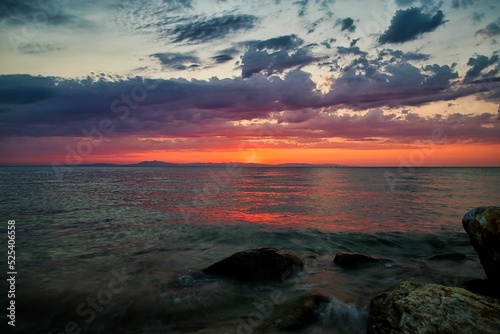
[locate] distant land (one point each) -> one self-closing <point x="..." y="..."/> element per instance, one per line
<point x="156" y="163"/>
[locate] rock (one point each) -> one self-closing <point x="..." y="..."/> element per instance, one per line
<point x="354" y="260"/>
<point x="482" y="286"/>
<point x="264" y="263"/>
<point x="297" y="316"/>
<point x="431" y="308"/>
<point x="482" y="224"/>
<point x="450" y="257"/>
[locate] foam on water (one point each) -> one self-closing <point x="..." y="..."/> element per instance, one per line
<point x="345" y="318"/>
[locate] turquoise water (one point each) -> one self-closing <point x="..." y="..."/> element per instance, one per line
<point x="159" y="227"/>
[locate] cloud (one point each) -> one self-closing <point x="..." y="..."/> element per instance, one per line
<point x="347" y="24"/>
<point x="254" y="61"/>
<point x="275" y="55"/>
<point x="27" y="95"/>
<point x="479" y="64"/>
<point x="304" y="5"/>
<point x="51" y="107"/>
<point x="409" y="24"/>
<point x="225" y="55"/>
<point x="178" y="4"/>
<point x="427" y="5"/>
<point x="354" y="50"/>
<point x="398" y="55"/>
<point x="440" y="76"/>
<point x="38" y="13"/>
<point x="205" y="30"/>
<point x="38" y="48"/>
<point x="287" y="42"/>
<point x="404" y="3"/>
<point x="457" y="4"/>
<point x="489" y="32"/>
<point x="177" y="61"/>
<point x="477" y="17"/>
<point x="222" y="58"/>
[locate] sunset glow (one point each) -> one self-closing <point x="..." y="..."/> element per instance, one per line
<point x="321" y="82"/>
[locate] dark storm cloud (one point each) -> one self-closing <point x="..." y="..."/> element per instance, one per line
<point x="177" y="61"/>
<point x="409" y="24"/>
<point x="479" y="64"/>
<point x="489" y="32"/>
<point x="204" y="30"/>
<point x="347" y="24"/>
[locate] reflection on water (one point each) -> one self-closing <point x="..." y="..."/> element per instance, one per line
<point x="162" y="225"/>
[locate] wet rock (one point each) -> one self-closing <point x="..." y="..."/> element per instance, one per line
<point x="354" y="260"/>
<point x="431" y="308"/>
<point x="482" y="224"/>
<point x="297" y="316"/>
<point x="449" y="257"/>
<point x="265" y="263"/>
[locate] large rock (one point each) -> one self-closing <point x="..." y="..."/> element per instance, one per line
<point x="355" y="260"/>
<point x="264" y="263"/>
<point x="482" y="224"/>
<point x="432" y="308"/>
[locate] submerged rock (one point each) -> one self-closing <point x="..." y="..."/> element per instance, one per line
<point x="482" y="224"/>
<point x="354" y="260"/>
<point x="299" y="315"/>
<point x="265" y="263"/>
<point x="431" y="308"/>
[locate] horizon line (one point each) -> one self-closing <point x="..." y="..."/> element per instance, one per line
<point x="215" y="164"/>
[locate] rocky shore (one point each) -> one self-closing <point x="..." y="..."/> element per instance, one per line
<point x="412" y="307"/>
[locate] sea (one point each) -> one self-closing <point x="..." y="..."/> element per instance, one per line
<point x="121" y="249"/>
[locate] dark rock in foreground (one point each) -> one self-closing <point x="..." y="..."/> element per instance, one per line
<point x="354" y="260"/>
<point x="299" y="315"/>
<point x="431" y="308"/>
<point x="264" y="263"/>
<point x="482" y="224"/>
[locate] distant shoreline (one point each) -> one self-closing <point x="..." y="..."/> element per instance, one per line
<point x="162" y="164"/>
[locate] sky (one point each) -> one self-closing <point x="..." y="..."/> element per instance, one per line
<point x="359" y="82"/>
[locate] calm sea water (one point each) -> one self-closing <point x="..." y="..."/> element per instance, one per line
<point x="154" y="229"/>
